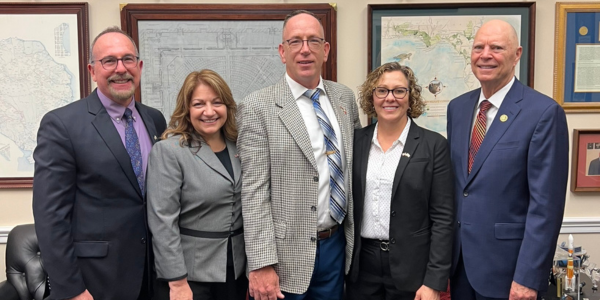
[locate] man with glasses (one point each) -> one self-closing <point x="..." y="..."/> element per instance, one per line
<point x="295" y="144"/>
<point x="89" y="187"/>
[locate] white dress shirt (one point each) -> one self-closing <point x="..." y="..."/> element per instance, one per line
<point x="496" y="100"/>
<point x="381" y="171"/>
<point x="316" y="135"/>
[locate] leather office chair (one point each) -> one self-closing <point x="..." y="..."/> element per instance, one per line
<point x="26" y="278"/>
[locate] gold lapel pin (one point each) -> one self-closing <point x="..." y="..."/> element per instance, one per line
<point x="155" y="138"/>
<point x="503" y="118"/>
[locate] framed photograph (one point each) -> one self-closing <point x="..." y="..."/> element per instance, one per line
<point x="44" y="53"/>
<point x="238" y="41"/>
<point x="435" y="41"/>
<point x="585" y="164"/>
<point x="577" y="57"/>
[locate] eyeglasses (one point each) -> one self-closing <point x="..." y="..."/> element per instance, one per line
<point x="382" y="93"/>
<point x="110" y="63"/>
<point x="314" y="44"/>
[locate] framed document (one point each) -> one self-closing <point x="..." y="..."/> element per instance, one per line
<point x="238" y="41"/>
<point x="435" y="41"/>
<point x="44" y="53"/>
<point x="577" y="57"/>
<point x="585" y="164"/>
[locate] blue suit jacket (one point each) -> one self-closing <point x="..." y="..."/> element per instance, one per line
<point x="509" y="209"/>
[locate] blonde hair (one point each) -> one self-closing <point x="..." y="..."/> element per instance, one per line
<point x="416" y="106"/>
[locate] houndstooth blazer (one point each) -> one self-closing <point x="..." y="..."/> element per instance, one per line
<point x="280" y="178"/>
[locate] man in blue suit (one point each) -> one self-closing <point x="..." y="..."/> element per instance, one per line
<point x="509" y="149"/>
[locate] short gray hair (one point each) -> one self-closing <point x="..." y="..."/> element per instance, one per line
<point x="109" y="30"/>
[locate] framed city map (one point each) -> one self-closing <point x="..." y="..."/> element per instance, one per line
<point x="43" y="53"/>
<point x="238" y="41"/>
<point x="435" y="41"/>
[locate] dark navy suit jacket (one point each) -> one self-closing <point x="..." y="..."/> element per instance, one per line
<point x="90" y="215"/>
<point x="509" y="209"/>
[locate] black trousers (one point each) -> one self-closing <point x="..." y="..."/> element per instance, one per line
<point x="231" y="289"/>
<point x="374" y="276"/>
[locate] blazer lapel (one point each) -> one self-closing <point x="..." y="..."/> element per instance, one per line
<point x="235" y="161"/>
<point x="105" y="127"/>
<point x="148" y="122"/>
<point x="362" y="149"/>
<point x="412" y="142"/>
<point x="292" y="119"/>
<point x="463" y="132"/>
<point x="210" y="159"/>
<point x="509" y="108"/>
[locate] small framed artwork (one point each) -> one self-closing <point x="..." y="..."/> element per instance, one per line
<point x="577" y="56"/>
<point x="44" y="53"/>
<point x="585" y="164"/>
<point x="435" y="41"/>
<point x="238" y="41"/>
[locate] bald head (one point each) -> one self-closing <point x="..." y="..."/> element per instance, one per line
<point x="495" y="54"/>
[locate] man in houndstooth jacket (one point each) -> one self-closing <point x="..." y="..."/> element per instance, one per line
<point x="293" y="245"/>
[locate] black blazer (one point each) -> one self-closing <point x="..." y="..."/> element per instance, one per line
<point x="90" y="216"/>
<point x="421" y="211"/>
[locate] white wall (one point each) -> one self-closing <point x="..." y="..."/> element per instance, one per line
<point x="15" y="205"/>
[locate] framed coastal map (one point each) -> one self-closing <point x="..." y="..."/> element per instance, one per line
<point x="43" y="57"/>
<point x="435" y="41"/>
<point x="238" y="41"/>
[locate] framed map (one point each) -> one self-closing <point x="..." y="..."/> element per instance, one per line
<point x="238" y="41"/>
<point x="435" y="41"/>
<point x="43" y="53"/>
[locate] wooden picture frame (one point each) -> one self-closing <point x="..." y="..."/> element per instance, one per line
<point x="577" y="37"/>
<point x="417" y="34"/>
<point x="585" y="163"/>
<point x="49" y="71"/>
<point x="231" y="39"/>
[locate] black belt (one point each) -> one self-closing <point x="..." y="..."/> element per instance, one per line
<point x="327" y="233"/>
<point x="383" y="245"/>
<point x="209" y="234"/>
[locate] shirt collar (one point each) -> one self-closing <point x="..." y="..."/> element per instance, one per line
<point x="497" y="98"/>
<point x="402" y="138"/>
<point x="298" y="89"/>
<point x="115" y="110"/>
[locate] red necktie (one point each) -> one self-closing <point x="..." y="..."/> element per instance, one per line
<point x="478" y="131"/>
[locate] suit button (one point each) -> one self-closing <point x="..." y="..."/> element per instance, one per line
<point x="392" y="241"/>
<point x="313" y="239"/>
<point x="316" y="179"/>
<point x="458" y="223"/>
<point x="393" y="213"/>
<point x="313" y="208"/>
<point x="143" y="240"/>
<point x="465" y="194"/>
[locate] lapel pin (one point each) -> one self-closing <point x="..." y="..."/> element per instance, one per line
<point x="155" y="138"/>
<point x="237" y="155"/>
<point x="406" y="154"/>
<point x="343" y="109"/>
<point x="503" y="118"/>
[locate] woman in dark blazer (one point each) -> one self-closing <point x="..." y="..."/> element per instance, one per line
<point x="194" y="205"/>
<point x="403" y="195"/>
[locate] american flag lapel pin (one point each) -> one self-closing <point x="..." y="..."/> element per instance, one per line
<point x="237" y="155"/>
<point x="406" y="154"/>
<point x="344" y="110"/>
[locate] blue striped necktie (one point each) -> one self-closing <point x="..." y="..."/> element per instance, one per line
<point x="132" y="144"/>
<point x="337" y="199"/>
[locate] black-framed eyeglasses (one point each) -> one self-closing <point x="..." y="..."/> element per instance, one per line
<point x="314" y="44"/>
<point x="382" y="93"/>
<point x="110" y="63"/>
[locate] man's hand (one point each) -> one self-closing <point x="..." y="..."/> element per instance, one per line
<point x="83" y="296"/>
<point x="264" y="284"/>
<point x="427" y="293"/>
<point x="519" y="292"/>
<point x="180" y="290"/>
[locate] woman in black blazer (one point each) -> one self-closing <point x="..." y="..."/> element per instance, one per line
<point x="403" y="195"/>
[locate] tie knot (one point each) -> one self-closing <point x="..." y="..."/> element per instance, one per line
<point x="127" y="114"/>
<point x="312" y="94"/>
<point x="484" y="106"/>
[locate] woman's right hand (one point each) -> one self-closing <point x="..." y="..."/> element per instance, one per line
<point x="180" y="290"/>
